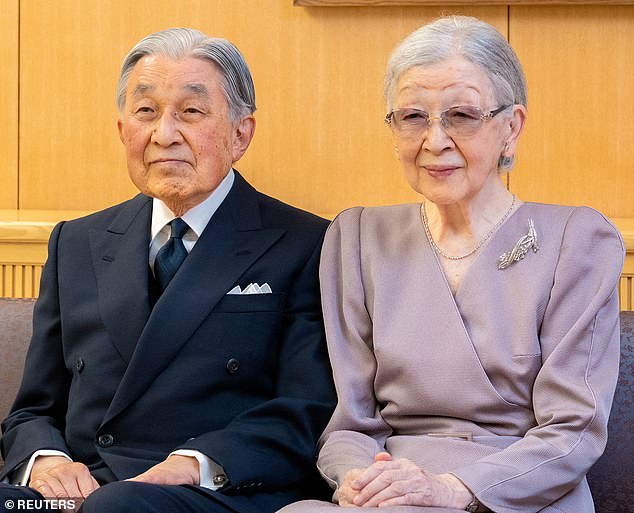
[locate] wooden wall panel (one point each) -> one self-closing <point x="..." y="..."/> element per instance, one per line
<point x="23" y="248"/>
<point x="69" y="148"/>
<point x="9" y="23"/>
<point x="341" y="3"/>
<point x="626" y="292"/>
<point x="324" y="144"/>
<point x="20" y="280"/>
<point x="320" y="141"/>
<point x="578" y="145"/>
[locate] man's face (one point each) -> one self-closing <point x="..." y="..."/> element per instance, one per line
<point x="180" y="141"/>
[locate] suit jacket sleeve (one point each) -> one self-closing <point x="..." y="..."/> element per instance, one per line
<point x="36" y="420"/>
<point x="573" y="392"/>
<point x="273" y="445"/>
<point x="356" y="431"/>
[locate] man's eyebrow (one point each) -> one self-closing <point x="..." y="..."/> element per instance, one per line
<point x="141" y="89"/>
<point x="198" y="89"/>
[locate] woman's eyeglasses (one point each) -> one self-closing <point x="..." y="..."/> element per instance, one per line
<point x="460" y="121"/>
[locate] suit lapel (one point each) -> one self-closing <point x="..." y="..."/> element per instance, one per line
<point x="120" y="259"/>
<point x="232" y="241"/>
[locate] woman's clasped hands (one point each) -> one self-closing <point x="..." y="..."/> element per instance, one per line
<point x="398" y="482"/>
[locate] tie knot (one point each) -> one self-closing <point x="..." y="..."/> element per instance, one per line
<point x="179" y="228"/>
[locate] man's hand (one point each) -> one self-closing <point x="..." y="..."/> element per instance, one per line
<point x="390" y="482"/>
<point x="58" y="477"/>
<point x="175" y="470"/>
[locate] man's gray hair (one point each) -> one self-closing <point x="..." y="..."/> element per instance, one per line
<point x="178" y="43"/>
<point x="467" y="37"/>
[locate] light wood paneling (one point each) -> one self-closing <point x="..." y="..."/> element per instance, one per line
<point x="69" y="148"/>
<point x="323" y="143"/>
<point x="367" y="3"/>
<point x="626" y="292"/>
<point x="9" y="17"/>
<point x="626" y="289"/>
<point x="320" y="141"/>
<point x="578" y="145"/>
<point x="23" y="248"/>
<point x="19" y="281"/>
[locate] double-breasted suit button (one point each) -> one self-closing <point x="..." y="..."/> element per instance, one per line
<point x="79" y="364"/>
<point x="105" y="440"/>
<point x="233" y="365"/>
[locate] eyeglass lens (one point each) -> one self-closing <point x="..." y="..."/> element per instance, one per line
<point x="460" y="121"/>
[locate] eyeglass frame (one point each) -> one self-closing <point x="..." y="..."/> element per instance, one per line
<point x="442" y="118"/>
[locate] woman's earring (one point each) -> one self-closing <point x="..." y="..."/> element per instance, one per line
<point x="506" y="147"/>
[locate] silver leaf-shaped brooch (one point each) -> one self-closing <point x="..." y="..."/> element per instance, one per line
<point x="528" y="241"/>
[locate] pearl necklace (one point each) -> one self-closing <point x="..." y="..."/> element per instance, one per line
<point x="423" y="216"/>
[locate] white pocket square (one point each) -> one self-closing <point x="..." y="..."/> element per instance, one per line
<point x="252" y="288"/>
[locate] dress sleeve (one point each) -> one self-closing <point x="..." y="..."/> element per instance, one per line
<point x="356" y="431"/>
<point x="573" y="391"/>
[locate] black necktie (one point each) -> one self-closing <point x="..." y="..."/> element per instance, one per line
<point x="171" y="255"/>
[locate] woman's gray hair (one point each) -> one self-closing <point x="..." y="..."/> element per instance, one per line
<point x="475" y="41"/>
<point x="178" y="43"/>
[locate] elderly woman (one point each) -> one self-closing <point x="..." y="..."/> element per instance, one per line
<point x="474" y="337"/>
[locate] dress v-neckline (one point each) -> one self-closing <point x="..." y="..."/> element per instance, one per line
<point x="478" y="256"/>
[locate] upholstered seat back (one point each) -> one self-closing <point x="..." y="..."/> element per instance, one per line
<point x="15" y="334"/>
<point x="611" y="479"/>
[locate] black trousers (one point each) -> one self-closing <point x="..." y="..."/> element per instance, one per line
<point x="119" y="497"/>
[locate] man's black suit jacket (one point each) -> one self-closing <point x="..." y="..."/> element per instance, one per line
<point x="244" y="379"/>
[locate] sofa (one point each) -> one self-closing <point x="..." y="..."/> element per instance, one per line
<point x="611" y="478"/>
<point x="15" y="334"/>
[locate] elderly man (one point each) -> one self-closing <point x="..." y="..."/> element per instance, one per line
<point x="177" y="361"/>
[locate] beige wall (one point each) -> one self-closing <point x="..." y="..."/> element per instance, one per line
<point x="320" y="141"/>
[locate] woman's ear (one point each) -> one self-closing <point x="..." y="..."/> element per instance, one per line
<point x="515" y="126"/>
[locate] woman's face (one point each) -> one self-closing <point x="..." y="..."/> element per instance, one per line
<point x="448" y="169"/>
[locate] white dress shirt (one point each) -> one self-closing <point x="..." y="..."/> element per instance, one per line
<point x="197" y="218"/>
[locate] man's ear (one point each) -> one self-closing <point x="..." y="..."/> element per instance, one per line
<point x="120" y="129"/>
<point x="242" y="135"/>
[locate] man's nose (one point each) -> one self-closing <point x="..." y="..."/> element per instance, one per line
<point x="166" y="131"/>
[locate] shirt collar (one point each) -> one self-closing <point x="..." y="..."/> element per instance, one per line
<point x="197" y="217"/>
